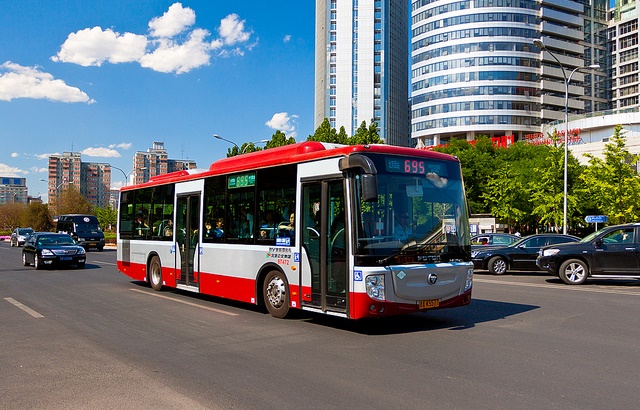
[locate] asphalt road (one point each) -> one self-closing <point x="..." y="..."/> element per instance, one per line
<point x="92" y="338"/>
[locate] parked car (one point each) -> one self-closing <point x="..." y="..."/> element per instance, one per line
<point x="52" y="249"/>
<point x="493" y="239"/>
<point x="611" y="252"/>
<point x="19" y="236"/>
<point x="520" y="255"/>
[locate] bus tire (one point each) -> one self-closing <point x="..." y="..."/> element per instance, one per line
<point x="275" y="292"/>
<point x="155" y="273"/>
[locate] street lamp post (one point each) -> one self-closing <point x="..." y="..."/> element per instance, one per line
<point x="240" y="151"/>
<point x="567" y="81"/>
<point x="126" y="175"/>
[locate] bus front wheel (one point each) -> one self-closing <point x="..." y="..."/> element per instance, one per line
<point x="155" y="273"/>
<point x="275" y="292"/>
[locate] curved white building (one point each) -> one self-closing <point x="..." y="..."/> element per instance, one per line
<point x="475" y="70"/>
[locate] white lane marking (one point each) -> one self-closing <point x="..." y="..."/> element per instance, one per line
<point x="576" y="288"/>
<point x="23" y="307"/>
<point x="186" y="303"/>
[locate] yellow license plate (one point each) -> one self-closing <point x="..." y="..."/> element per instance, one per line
<point x="428" y="304"/>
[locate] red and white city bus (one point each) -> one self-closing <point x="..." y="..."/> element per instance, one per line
<point x="352" y="231"/>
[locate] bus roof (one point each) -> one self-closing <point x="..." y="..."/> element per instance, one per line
<point x="288" y="154"/>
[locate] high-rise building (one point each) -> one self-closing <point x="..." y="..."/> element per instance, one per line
<point x="475" y="70"/>
<point x="96" y="183"/>
<point x="361" y="68"/>
<point x="155" y="161"/>
<point x="92" y="180"/>
<point x="13" y="190"/>
<point x="623" y="41"/>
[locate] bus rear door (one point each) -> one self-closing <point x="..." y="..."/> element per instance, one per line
<point x="187" y="234"/>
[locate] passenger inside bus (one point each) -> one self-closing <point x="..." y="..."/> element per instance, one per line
<point x="287" y="228"/>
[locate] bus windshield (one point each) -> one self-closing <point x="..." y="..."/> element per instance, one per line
<point x="421" y="211"/>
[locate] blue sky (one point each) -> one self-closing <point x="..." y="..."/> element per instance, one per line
<point x="108" y="78"/>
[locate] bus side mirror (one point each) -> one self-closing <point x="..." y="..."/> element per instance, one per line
<point x="369" y="188"/>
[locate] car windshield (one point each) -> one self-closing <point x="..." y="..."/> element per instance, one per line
<point x="25" y="231"/>
<point x="88" y="228"/>
<point x="591" y="236"/>
<point x="421" y="208"/>
<point x="50" y="240"/>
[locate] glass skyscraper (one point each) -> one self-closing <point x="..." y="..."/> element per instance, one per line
<point x="361" y="71"/>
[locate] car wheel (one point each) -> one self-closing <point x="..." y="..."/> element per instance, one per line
<point x="497" y="266"/>
<point x="11" y="243"/>
<point x="100" y="248"/>
<point x="275" y="292"/>
<point x="155" y="273"/>
<point x="24" y="259"/>
<point x="36" y="262"/>
<point x="574" y="272"/>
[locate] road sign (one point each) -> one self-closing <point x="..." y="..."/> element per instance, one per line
<point x="596" y="219"/>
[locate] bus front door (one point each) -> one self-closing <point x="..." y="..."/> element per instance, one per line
<point x="324" y="240"/>
<point x="187" y="239"/>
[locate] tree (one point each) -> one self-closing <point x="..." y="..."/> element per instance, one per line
<point x="107" y="217"/>
<point x="10" y="215"/>
<point x="503" y="195"/>
<point x="279" y="139"/>
<point x="477" y="162"/>
<point x="36" y="215"/>
<point x="71" y="201"/>
<point x="366" y="135"/>
<point x="324" y="133"/>
<point x="612" y="182"/>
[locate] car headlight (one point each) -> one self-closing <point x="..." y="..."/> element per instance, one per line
<point x="81" y="251"/>
<point x="375" y="287"/>
<point x="469" y="282"/>
<point x="474" y="253"/>
<point x="46" y="252"/>
<point x="548" y="252"/>
<point x="80" y="239"/>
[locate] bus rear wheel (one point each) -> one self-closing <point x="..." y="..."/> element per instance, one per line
<point x="275" y="292"/>
<point x="155" y="273"/>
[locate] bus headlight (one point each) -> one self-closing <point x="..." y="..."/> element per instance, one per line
<point x="469" y="283"/>
<point x="375" y="287"/>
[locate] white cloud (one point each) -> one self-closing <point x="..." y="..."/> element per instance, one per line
<point x="284" y="122"/>
<point x="173" y="22"/>
<point x="14" y="155"/>
<point x="36" y="170"/>
<point x="11" y="172"/>
<point x="287" y="38"/>
<point x="93" y="46"/>
<point x="17" y="81"/>
<point x="232" y="30"/>
<point x="116" y="184"/>
<point x="122" y="145"/>
<point x="179" y="58"/>
<point x="162" y="50"/>
<point x="100" y="152"/>
<point x="46" y="156"/>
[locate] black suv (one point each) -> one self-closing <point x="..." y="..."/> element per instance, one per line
<point x="612" y="252"/>
<point x="520" y="255"/>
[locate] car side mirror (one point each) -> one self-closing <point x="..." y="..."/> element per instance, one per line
<point x="598" y="242"/>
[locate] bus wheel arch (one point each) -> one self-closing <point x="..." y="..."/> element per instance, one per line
<point x="154" y="271"/>
<point x="275" y="293"/>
